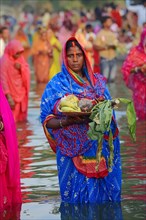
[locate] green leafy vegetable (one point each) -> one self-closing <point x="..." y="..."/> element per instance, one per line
<point x="101" y="117"/>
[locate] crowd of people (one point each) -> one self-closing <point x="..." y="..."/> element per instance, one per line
<point x="72" y="52"/>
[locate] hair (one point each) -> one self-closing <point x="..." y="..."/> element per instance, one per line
<point x="3" y="28"/>
<point x="105" y="18"/>
<point x="88" y="26"/>
<point x="69" y="44"/>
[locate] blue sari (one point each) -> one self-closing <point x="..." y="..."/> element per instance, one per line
<point x="75" y="152"/>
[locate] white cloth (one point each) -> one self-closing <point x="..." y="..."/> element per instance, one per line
<point x="141" y="13"/>
<point x="2" y="47"/>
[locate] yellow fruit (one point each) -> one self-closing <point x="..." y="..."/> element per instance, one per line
<point x="69" y="109"/>
<point x="72" y="98"/>
<point x="69" y="101"/>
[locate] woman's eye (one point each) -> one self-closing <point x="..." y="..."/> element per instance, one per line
<point x="70" y="56"/>
<point x="79" y="54"/>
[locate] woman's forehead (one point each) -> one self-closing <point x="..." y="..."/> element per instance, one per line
<point x="71" y="50"/>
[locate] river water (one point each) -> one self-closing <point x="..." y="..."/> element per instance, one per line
<point x="39" y="181"/>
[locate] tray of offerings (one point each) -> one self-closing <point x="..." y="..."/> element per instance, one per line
<point x="74" y="113"/>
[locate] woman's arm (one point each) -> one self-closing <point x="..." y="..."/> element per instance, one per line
<point x="56" y="123"/>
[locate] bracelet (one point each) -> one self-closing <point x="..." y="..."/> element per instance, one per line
<point x="60" y="122"/>
<point x="1" y="126"/>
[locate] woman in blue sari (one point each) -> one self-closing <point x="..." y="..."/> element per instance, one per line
<point x="79" y="180"/>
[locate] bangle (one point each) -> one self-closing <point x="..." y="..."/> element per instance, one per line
<point x="1" y="126"/>
<point x="60" y="122"/>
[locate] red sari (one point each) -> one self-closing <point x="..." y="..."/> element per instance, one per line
<point x="15" y="82"/>
<point x="137" y="81"/>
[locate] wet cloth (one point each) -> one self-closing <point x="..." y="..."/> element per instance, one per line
<point x="10" y="194"/>
<point x="15" y="82"/>
<point x="72" y="143"/>
<point x="136" y="81"/>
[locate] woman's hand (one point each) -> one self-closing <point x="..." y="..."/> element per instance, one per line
<point x="11" y="101"/>
<point x="139" y="69"/>
<point x="17" y="66"/>
<point x="143" y="68"/>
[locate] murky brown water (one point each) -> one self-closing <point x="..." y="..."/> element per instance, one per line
<point x="39" y="179"/>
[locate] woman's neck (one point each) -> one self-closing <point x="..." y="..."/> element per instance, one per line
<point x="81" y="74"/>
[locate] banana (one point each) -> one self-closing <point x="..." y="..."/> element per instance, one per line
<point x="69" y="109"/>
<point x="71" y="104"/>
<point x="72" y="98"/>
<point x="70" y="101"/>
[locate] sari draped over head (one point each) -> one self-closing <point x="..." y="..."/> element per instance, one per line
<point x="10" y="193"/>
<point x="136" y="81"/>
<point x="15" y="82"/>
<point x="75" y="152"/>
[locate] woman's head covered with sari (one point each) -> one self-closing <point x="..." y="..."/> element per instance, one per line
<point x="14" y="47"/>
<point x="86" y="68"/>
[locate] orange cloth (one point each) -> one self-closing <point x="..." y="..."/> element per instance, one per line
<point x="42" y="59"/>
<point x="15" y="82"/>
<point x="22" y="37"/>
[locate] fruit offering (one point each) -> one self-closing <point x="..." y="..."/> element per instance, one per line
<point x="86" y="104"/>
<point x="69" y="103"/>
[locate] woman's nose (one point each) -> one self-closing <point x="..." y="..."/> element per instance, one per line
<point x="75" y="58"/>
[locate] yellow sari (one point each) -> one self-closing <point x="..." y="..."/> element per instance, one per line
<point x="56" y="64"/>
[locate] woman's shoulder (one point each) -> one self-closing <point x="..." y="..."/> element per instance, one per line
<point x="99" y="77"/>
<point x="56" y="77"/>
<point x="55" y="80"/>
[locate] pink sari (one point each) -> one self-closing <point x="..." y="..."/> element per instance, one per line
<point x="15" y="82"/>
<point x="137" y="81"/>
<point x="10" y="193"/>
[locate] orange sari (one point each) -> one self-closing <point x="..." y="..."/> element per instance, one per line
<point x="22" y="37"/>
<point x="42" y="59"/>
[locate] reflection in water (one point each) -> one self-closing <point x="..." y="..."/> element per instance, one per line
<point x="107" y="211"/>
<point x="134" y="164"/>
<point x="26" y="155"/>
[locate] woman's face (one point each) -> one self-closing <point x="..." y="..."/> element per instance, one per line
<point x="75" y="59"/>
<point x="17" y="55"/>
<point x="44" y="35"/>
